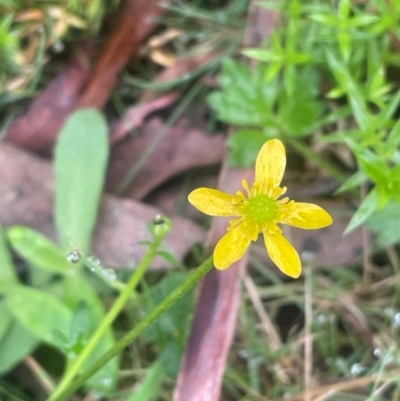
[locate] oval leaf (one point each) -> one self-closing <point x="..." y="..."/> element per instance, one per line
<point x="38" y="250"/>
<point x="39" y="312"/>
<point x="80" y="162"/>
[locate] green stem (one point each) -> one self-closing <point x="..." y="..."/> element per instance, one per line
<point x="77" y="365"/>
<point x="200" y="272"/>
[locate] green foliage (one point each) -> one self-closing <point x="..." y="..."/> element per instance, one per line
<point x="8" y="277"/>
<point x="385" y="223"/>
<point x="38" y="250"/>
<point x="244" y="146"/>
<point x="66" y="313"/>
<point x="16" y="343"/>
<point x="149" y="388"/>
<point x="39" y="312"/>
<point x="55" y="22"/>
<point x="80" y="161"/>
<point x="8" y="49"/>
<point x="281" y="96"/>
<point x="263" y="108"/>
<point x="168" y="333"/>
<point x="328" y="73"/>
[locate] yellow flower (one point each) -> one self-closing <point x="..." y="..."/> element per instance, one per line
<point x="260" y="212"/>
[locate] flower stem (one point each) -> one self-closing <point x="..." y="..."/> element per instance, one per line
<point x="200" y="272"/>
<point x="78" y="363"/>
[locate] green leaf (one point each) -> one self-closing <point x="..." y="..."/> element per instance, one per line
<point x="393" y="183"/>
<point x="149" y="388"/>
<point x="385" y="223"/>
<point x="299" y="111"/>
<point x="368" y="206"/>
<point x="354" y="181"/>
<point x="75" y="290"/>
<point x="356" y="98"/>
<point x="8" y="277"/>
<point x="363" y="19"/>
<point x="80" y="162"/>
<point x="35" y="248"/>
<point x="245" y="98"/>
<point x="39" y="312"/>
<point x="325" y="19"/>
<point x="172" y="325"/>
<point x="6" y="318"/>
<point x="262" y="55"/>
<point x="299" y="116"/>
<point x="373" y="165"/>
<point x="244" y="146"/>
<point x="81" y="323"/>
<point x="393" y="139"/>
<point x="17" y="343"/>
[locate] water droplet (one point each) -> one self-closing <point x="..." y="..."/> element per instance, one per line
<point x="357" y="369"/>
<point x="106" y="381"/>
<point x="109" y="273"/>
<point x="160" y="225"/>
<point x="58" y="46"/>
<point x="307" y="256"/>
<point x="94" y="260"/>
<point x="390" y="311"/>
<point x="341" y="364"/>
<point x="377" y="353"/>
<point x="243" y="354"/>
<point x="184" y="37"/>
<point x="74" y="257"/>
<point x="396" y="321"/>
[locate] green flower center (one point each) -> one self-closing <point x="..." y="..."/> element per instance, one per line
<point x="262" y="209"/>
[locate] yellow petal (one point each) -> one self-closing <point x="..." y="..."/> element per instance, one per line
<point x="215" y="203"/>
<point x="282" y="253"/>
<point x="304" y="215"/>
<point x="271" y="163"/>
<point x="233" y="245"/>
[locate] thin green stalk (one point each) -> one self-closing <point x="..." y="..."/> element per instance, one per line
<point x="170" y="300"/>
<point x="77" y="365"/>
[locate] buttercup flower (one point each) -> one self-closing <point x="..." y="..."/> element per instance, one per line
<point x="260" y="211"/>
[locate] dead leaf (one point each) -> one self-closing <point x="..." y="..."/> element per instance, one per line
<point x="181" y="67"/>
<point x="77" y="87"/>
<point x="37" y="128"/>
<point x="26" y="198"/>
<point x="180" y="149"/>
<point x="138" y="18"/>
<point x="134" y="117"/>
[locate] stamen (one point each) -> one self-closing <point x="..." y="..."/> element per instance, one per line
<point x="262" y="209"/>
<point x="245" y="185"/>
